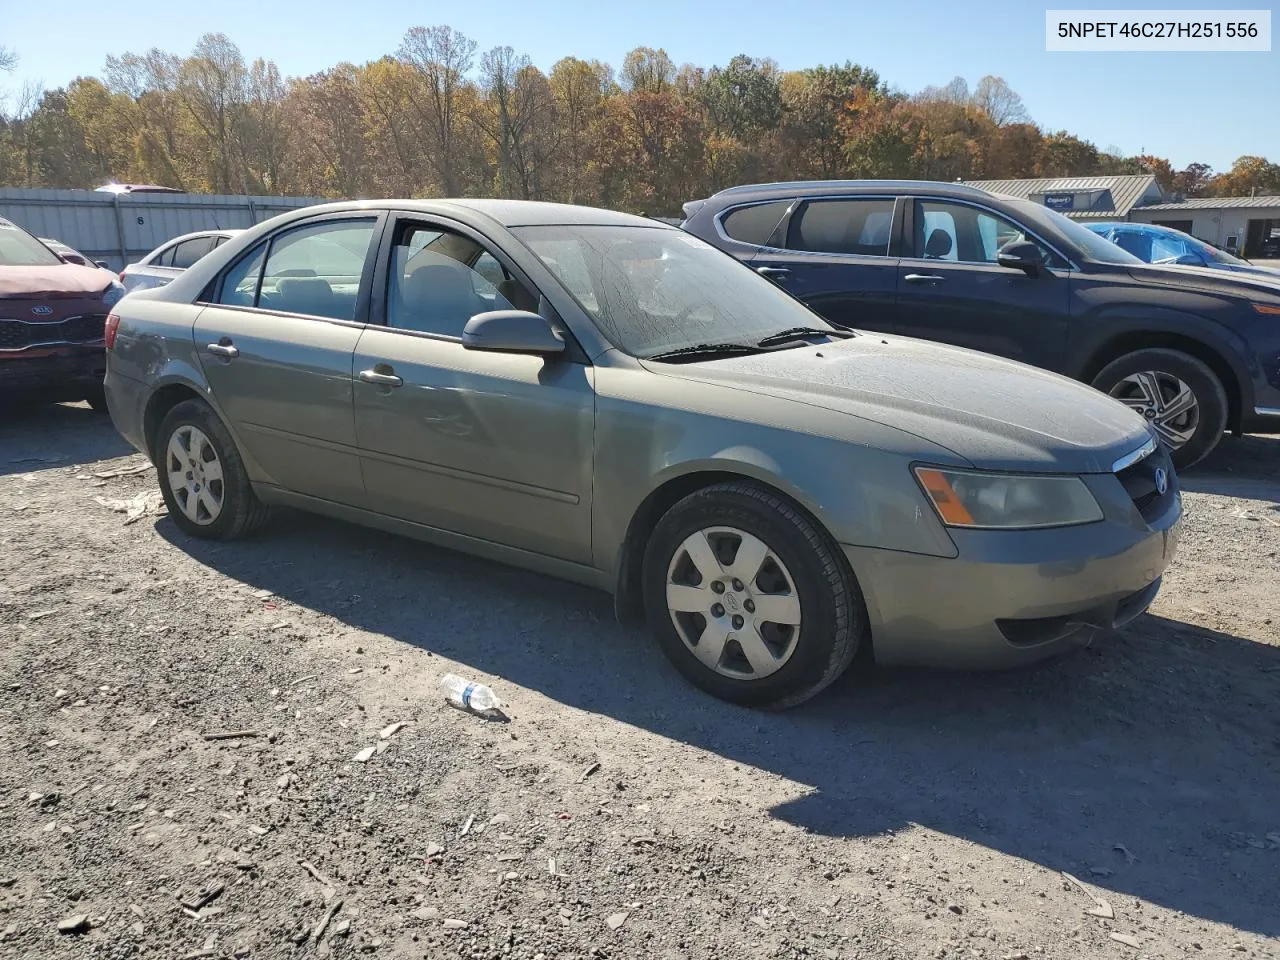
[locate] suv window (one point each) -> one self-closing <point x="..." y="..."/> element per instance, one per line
<point x="756" y="223"/>
<point x="964" y="234"/>
<point x="439" y="280"/>
<point x="189" y="251"/>
<point x="854" y="225"/>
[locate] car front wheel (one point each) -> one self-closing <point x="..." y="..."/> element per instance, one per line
<point x="1182" y="399"/>
<point x="202" y="478"/>
<point x="750" y="600"/>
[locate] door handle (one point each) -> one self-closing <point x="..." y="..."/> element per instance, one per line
<point x="381" y="379"/>
<point x="923" y="278"/>
<point x="773" y="272"/>
<point x="228" y="351"/>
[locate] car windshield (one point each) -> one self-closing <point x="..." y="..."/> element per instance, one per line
<point x="1090" y="244"/>
<point x="19" y="249"/>
<point x="1214" y="255"/>
<point x="653" y="290"/>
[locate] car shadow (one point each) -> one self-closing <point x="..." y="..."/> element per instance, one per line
<point x="40" y="436"/>
<point x="1164" y="740"/>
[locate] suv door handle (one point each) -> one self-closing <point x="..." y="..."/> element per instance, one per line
<point x="923" y="278"/>
<point x="228" y="350"/>
<point x="773" y="272"/>
<point x="381" y="379"/>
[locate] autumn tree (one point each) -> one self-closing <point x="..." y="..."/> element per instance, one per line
<point x="813" y="104"/>
<point x="579" y="88"/>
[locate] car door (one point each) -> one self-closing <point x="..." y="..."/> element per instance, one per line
<point x="276" y="347"/>
<point x="951" y="289"/>
<point x="836" y="256"/>
<point x="489" y="445"/>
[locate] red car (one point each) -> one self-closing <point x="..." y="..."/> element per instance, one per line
<point x="52" y="318"/>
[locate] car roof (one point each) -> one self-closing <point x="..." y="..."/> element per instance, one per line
<point x="800" y="188"/>
<point x="196" y="234"/>
<point x="507" y="213"/>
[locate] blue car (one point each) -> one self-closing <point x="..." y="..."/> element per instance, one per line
<point x="1152" y="243"/>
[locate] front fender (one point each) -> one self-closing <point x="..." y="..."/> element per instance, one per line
<point x="860" y="491"/>
<point x="1108" y="330"/>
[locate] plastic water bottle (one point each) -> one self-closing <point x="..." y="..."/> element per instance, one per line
<point x="469" y="695"/>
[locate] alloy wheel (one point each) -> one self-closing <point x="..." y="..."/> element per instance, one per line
<point x="1165" y="401"/>
<point x="195" y="475"/>
<point x="733" y="603"/>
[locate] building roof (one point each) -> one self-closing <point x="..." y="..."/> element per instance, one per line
<point x="1215" y="203"/>
<point x="1107" y="198"/>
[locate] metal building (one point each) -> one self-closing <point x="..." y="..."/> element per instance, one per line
<point x="1082" y="198"/>
<point x="121" y="228"/>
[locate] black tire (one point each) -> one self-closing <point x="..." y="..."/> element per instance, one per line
<point x="833" y="614"/>
<point x="242" y="512"/>
<point x="1211" y="397"/>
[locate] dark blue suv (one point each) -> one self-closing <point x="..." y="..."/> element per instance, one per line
<point x="1195" y="351"/>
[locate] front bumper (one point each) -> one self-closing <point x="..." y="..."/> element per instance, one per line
<point x="1014" y="597"/>
<point x="53" y="373"/>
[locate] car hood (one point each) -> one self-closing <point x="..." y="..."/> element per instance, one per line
<point x="994" y="413"/>
<point x="58" y="280"/>
<point x="1232" y="283"/>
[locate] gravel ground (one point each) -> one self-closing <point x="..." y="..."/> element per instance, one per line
<point x="618" y="813"/>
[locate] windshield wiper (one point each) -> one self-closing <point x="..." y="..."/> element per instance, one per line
<point x="799" y="333"/>
<point x="705" y="350"/>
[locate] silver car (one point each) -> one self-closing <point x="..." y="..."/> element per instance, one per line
<point x="607" y="399"/>
<point x="170" y="259"/>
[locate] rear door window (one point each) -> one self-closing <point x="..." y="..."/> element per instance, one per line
<point x="189" y="251"/>
<point x="755" y="224"/>
<point x="860" y="226"/>
<point x="315" y="270"/>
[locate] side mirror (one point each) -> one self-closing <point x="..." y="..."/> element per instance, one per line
<point x="102" y="263"/>
<point x="511" y="331"/>
<point x="1021" y="255"/>
<point x="75" y="258"/>
<point x="1190" y="260"/>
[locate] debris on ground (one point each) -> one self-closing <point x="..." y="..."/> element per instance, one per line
<point x="137" y="507"/>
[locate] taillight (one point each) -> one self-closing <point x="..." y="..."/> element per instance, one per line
<point x="122" y="276"/>
<point x="110" y="330"/>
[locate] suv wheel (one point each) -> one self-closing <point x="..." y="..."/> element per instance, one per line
<point x="750" y="600"/>
<point x="1176" y="393"/>
<point x="203" y="480"/>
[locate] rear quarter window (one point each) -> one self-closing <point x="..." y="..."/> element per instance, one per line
<point x="754" y="224"/>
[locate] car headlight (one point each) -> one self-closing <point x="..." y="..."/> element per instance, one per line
<point x="111" y="296"/>
<point x="967" y="498"/>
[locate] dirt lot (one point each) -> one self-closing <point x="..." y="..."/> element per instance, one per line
<point x="619" y="813"/>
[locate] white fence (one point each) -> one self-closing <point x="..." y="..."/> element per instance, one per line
<point x="122" y="228"/>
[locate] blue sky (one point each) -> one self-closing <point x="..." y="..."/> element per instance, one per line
<point x="1207" y="107"/>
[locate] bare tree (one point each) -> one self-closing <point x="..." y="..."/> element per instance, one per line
<point x="998" y="101"/>
<point x="8" y="59"/>
<point x="443" y="56"/>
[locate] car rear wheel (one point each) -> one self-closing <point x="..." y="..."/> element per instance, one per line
<point x="1182" y="399"/>
<point x="202" y="477"/>
<point x="749" y="598"/>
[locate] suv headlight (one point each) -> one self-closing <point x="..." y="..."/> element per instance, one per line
<point x="968" y="498"/>
<point x="111" y="296"/>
